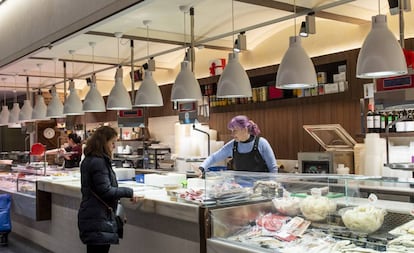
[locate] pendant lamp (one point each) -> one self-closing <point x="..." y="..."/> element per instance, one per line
<point x="73" y="104"/>
<point x="381" y="55"/>
<point x="94" y="101"/>
<point x="55" y="107"/>
<point x="118" y="98"/>
<point x="149" y="94"/>
<point x="14" y="113"/>
<point x="234" y="82"/>
<point x="26" y="110"/>
<point x="40" y="108"/>
<point x="4" y="115"/>
<point x="14" y="116"/>
<point x="296" y="71"/>
<point x="186" y="87"/>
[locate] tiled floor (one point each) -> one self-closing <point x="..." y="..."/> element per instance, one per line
<point x="18" y="244"/>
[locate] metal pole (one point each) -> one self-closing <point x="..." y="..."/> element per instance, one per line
<point x="132" y="73"/>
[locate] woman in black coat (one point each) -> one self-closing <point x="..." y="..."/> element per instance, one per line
<point x="97" y="176"/>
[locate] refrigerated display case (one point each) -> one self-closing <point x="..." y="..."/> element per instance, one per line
<point x="311" y="213"/>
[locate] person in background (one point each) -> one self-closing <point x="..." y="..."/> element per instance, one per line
<point x="249" y="152"/>
<point x="73" y="152"/>
<point x="98" y="183"/>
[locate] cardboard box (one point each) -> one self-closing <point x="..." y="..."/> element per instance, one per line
<point x="339" y="77"/>
<point x="331" y="88"/>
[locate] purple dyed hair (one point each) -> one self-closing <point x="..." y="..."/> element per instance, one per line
<point x="242" y="121"/>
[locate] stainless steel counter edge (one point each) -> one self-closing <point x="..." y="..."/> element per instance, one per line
<point x="153" y="204"/>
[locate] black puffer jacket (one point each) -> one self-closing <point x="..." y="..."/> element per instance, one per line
<point x="97" y="175"/>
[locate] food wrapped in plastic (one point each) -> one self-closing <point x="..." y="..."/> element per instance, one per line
<point x="287" y="205"/>
<point x="316" y="208"/>
<point x="367" y="219"/>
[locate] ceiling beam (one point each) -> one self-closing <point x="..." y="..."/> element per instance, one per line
<point x="156" y="40"/>
<point x="290" y="8"/>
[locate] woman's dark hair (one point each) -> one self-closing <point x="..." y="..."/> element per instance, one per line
<point x="243" y="121"/>
<point x="96" y="145"/>
<point x="76" y="138"/>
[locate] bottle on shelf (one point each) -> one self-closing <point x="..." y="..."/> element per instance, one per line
<point x="409" y="123"/>
<point x="390" y="119"/>
<point x="383" y="121"/>
<point x="370" y="119"/>
<point x="377" y="122"/>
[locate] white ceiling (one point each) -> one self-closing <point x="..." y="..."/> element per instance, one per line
<point x="213" y="19"/>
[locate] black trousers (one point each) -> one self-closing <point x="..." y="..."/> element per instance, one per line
<point x="103" y="248"/>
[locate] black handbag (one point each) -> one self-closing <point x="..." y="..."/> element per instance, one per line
<point x="115" y="220"/>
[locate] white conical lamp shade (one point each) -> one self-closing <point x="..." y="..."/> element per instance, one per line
<point x="149" y="94"/>
<point x="94" y="101"/>
<point x="55" y="107"/>
<point x="119" y="98"/>
<point x="186" y="87"/>
<point x="25" y="114"/>
<point x="40" y="109"/>
<point x="73" y="104"/>
<point x="14" y="116"/>
<point x="296" y="71"/>
<point x="234" y="82"/>
<point x="381" y="55"/>
<point x="4" y="115"/>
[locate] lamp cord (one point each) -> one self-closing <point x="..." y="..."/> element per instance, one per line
<point x="379" y="7"/>
<point x="118" y="51"/>
<point x="185" y="34"/>
<point x="148" y="42"/>
<point x="93" y="59"/>
<point x="14" y="91"/>
<point x="232" y="21"/>
<point x="294" y="19"/>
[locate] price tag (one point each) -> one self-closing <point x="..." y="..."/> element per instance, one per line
<point x="372" y="198"/>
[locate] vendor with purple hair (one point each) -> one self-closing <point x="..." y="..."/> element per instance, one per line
<point x="248" y="151"/>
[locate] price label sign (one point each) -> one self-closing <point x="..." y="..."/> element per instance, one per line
<point x="372" y="198"/>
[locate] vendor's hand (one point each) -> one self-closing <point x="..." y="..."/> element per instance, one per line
<point x="200" y="172"/>
<point x="137" y="198"/>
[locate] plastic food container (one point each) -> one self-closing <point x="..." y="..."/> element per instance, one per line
<point x="366" y="219"/>
<point x="287" y="205"/>
<point x="317" y="208"/>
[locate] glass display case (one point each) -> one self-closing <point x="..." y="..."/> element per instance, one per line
<point x="27" y="185"/>
<point x="262" y="212"/>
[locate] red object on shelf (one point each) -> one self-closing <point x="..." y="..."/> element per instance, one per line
<point x="217" y="66"/>
<point x="409" y="57"/>
<point x="37" y="149"/>
<point x="274" y="93"/>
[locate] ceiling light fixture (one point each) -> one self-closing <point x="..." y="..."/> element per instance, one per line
<point x="186" y="87"/>
<point x="55" y="107"/>
<point x="234" y="82"/>
<point x="26" y="111"/>
<point x="296" y="70"/>
<point x="308" y="27"/>
<point x="73" y="104"/>
<point x="381" y="55"/>
<point x="149" y="93"/>
<point x="14" y="113"/>
<point x="4" y="115"/>
<point x="119" y="98"/>
<point x="40" y="108"/>
<point x="94" y="101"/>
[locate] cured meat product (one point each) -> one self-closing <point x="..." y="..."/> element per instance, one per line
<point x="271" y="222"/>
